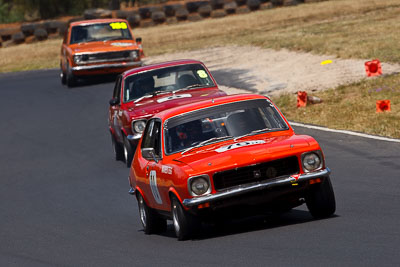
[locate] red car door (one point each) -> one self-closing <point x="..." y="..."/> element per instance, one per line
<point x="155" y="189"/>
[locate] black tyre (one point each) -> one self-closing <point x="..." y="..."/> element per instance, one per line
<point x="118" y="149"/>
<point x="63" y="77"/>
<point x="151" y="223"/>
<point x="70" y="78"/>
<point x="185" y="224"/>
<point x="320" y="199"/>
<point x="129" y="151"/>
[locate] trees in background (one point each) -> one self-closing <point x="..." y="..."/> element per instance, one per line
<point x="19" y="10"/>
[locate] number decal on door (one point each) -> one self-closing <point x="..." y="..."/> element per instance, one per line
<point x="154" y="188"/>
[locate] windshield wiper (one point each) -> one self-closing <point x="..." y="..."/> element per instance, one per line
<point x="114" y="38"/>
<point x="252" y="133"/>
<point x="142" y="97"/>
<point x="152" y="94"/>
<point x="159" y="92"/>
<point x="202" y="143"/>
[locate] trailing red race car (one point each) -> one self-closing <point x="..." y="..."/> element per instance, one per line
<point x="100" y="46"/>
<point x="201" y="160"/>
<point x="142" y="92"/>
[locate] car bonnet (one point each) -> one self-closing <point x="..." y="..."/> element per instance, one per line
<point x="151" y="105"/>
<point x="245" y="151"/>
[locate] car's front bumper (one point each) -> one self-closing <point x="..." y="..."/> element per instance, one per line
<point x="107" y="66"/>
<point x="243" y="189"/>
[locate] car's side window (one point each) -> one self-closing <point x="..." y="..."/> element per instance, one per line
<point x="152" y="137"/>
<point x="117" y="88"/>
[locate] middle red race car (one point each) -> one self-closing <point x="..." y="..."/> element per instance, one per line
<point x="216" y="156"/>
<point x="144" y="91"/>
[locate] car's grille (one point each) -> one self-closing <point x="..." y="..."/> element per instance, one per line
<point x="256" y="173"/>
<point x="107" y="56"/>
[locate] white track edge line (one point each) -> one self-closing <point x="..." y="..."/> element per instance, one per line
<point x="381" y="138"/>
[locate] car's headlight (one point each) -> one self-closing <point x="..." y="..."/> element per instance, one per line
<point x="134" y="54"/>
<point x="312" y="161"/>
<point x="77" y="59"/>
<point x="199" y="185"/>
<point x="138" y="126"/>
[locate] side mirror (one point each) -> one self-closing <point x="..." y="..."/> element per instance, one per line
<point x="149" y="154"/>
<point x="139" y="40"/>
<point x="114" y="102"/>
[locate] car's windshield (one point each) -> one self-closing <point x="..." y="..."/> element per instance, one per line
<point x="234" y="120"/>
<point x="169" y="79"/>
<point x="100" y="32"/>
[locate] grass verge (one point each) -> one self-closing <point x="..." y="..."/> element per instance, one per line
<point x="346" y="28"/>
<point x="351" y="107"/>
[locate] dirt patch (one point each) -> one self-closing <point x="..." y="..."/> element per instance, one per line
<point x="270" y="72"/>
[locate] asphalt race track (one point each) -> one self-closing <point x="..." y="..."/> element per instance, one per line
<point x="64" y="200"/>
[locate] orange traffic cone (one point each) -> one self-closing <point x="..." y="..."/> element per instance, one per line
<point x="382" y="105"/>
<point x="301" y="99"/>
<point x="373" y="68"/>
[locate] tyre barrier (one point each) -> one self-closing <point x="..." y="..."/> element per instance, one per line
<point x="219" y="13"/>
<point x="205" y="11"/>
<point x="40" y="34"/>
<point x="240" y="2"/>
<point x="291" y="2"/>
<point x="193" y="7"/>
<point x="158" y="17"/>
<point x="145" y="16"/>
<point x="181" y="14"/>
<point x="230" y="8"/>
<point x="18" y="38"/>
<point x="194" y="17"/>
<point x="134" y="20"/>
<point x="253" y="4"/>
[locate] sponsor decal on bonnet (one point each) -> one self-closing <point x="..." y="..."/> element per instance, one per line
<point x="172" y="97"/>
<point x="240" y="144"/>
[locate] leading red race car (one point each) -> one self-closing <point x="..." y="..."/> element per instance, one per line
<point x="201" y="160"/>
<point x="144" y="91"/>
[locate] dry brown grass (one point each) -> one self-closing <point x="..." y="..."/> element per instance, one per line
<point x="347" y="28"/>
<point x="351" y="107"/>
<point x="41" y="55"/>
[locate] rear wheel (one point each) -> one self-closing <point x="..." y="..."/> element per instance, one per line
<point x="150" y="221"/>
<point x="118" y="149"/>
<point x="128" y="152"/>
<point x="185" y="224"/>
<point x="320" y="199"/>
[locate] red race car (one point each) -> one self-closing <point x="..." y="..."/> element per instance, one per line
<point x="100" y="46"/>
<point x="221" y="156"/>
<point x="142" y="92"/>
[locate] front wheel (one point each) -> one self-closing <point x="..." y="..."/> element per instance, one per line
<point x="150" y="221"/>
<point x="185" y="224"/>
<point x="118" y="149"/>
<point x="70" y="79"/>
<point x="320" y="199"/>
<point x="63" y="77"/>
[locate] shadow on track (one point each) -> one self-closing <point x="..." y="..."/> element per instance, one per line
<point x="249" y="224"/>
<point x="94" y="80"/>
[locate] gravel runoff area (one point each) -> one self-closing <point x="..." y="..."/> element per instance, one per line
<point x="271" y="72"/>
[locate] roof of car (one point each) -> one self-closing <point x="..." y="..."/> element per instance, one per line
<point x="161" y="65"/>
<point x="95" y="21"/>
<point x="207" y="103"/>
